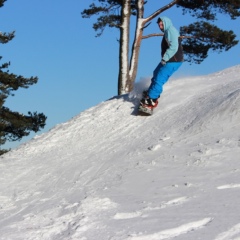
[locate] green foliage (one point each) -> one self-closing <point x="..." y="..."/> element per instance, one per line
<point x="208" y="9"/>
<point x="5" y="37"/>
<point x="2" y="2"/>
<point x="109" y="14"/>
<point x="206" y="36"/>
<point x="10" y="82"/>
<point x="14" y="125"/>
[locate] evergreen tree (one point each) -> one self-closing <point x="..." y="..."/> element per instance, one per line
<point x="198" y="37"/>
<point x="14" y="125"/>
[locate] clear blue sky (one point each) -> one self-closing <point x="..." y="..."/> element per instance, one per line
<point x="76" y="70"/>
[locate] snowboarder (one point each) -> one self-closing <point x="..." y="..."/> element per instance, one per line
<point x="172" y="58"/>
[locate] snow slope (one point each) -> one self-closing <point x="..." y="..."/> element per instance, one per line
<point x="108" y="174"/>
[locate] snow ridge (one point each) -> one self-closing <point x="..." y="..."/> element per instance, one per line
<point x="112" y="174"/>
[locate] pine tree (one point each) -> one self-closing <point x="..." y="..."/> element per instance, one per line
<point x="14" y="125"/>
<point x="198" y="38"/>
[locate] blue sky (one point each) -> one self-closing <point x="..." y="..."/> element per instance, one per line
<point x="76" y="70"/>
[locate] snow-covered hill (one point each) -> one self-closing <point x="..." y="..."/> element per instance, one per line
<point x="108" y="174"/>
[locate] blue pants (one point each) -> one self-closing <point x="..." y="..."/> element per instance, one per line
<point x="160" y="76"/>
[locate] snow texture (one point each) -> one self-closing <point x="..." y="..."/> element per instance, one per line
<point x="109" y="174"/>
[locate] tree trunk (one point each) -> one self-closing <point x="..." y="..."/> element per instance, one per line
<point x="124" y="48"/>
<point x="136" y="45"/>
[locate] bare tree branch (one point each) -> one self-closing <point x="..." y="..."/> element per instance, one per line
<point x="161" y="10"/>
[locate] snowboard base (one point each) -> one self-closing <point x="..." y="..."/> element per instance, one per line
<point x="145" y="111"/>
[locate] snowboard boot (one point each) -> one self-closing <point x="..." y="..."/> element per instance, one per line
<point x="149" y="102"/>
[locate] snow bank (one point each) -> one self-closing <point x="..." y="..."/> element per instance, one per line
<point x="110" y="174"/>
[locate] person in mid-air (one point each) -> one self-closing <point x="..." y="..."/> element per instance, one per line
<point x="172" y="59"/>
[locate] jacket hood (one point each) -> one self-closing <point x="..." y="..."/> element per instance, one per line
<point x="167" y="23"/>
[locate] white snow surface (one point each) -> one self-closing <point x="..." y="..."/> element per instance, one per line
<point x="108" y="174"/>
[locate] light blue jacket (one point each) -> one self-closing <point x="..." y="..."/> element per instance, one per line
<point x="171" y="35"/>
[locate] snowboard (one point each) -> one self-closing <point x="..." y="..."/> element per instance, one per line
<point x="144" y="111"/>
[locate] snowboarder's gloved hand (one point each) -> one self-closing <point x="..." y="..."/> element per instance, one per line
<point x="163" y="62"/>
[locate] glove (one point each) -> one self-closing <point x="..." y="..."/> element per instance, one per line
<point x="163" y="62"/>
